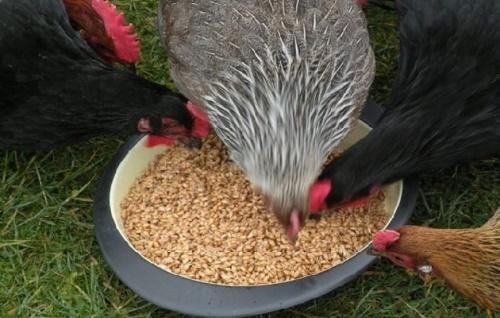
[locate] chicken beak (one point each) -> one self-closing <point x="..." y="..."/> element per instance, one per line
<point x="293" y="227"/>
<point x="293" y="239"/>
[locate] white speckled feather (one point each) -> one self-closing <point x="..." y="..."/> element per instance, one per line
<point x="281" y="81"/>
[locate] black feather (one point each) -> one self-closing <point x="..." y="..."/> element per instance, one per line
<point x="55" y="90"/>
<point x="445" y="103"/>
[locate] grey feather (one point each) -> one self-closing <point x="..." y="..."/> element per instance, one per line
<point x="281" y="81"/>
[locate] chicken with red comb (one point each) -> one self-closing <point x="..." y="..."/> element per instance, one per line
<point x="58" y="87"/>
<point x="467" y="259"/>
<point x="444" y="107"/>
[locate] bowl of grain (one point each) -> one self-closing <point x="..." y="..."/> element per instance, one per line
<point x="184" y="230"/>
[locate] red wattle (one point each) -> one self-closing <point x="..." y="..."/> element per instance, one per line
<point x="317" y="195"/>
<point x="201" y="125"/>
<point x="155" y="140"/>
<point x="354" y="203"/>
<point x="357" y="203"/>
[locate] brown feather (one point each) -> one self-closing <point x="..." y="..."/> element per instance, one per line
<point x="84" y="19"/>
<point x="467" y="259"/>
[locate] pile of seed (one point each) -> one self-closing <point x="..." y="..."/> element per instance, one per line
<point x="193" y="213"/>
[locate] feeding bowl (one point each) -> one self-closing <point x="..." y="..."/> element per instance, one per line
<point x="196" y="298"/>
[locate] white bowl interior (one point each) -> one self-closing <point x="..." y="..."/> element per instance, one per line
<point x="138" y="158"/>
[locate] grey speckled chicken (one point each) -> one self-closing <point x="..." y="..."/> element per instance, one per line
<point x="282" y="83"/>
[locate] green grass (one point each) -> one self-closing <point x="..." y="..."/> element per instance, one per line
<point x="50" y="264"/>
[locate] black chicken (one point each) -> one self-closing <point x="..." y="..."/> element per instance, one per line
<point x="57" y="86"/>
<point x="445" y="103"/>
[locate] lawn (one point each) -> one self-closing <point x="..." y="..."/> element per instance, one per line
<point x="51" y="266"/>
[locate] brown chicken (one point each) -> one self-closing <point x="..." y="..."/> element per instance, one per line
<point x="467" y="259"/>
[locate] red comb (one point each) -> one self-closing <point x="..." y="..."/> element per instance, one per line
<point x="317" y="195"/>
<point x="362" y="3"/>
<point x="383" y="239"/>
<point x="201" y="125"/>
<point x="124" y="40"/>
